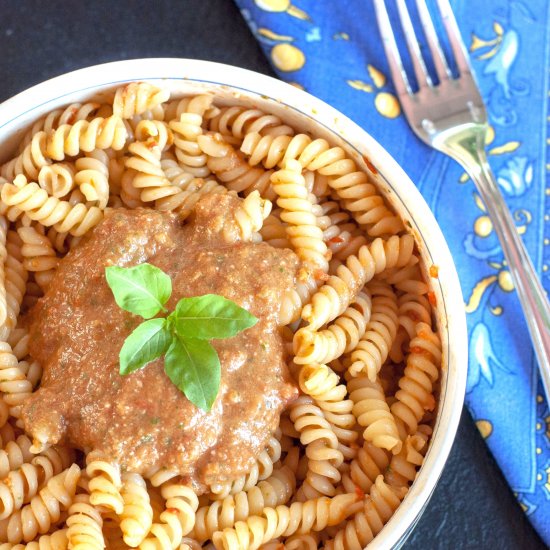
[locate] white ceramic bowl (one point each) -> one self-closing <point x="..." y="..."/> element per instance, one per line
<point x="307" y="113"/>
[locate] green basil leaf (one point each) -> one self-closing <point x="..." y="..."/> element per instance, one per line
<point x="142" y="289"/>
<point x="194" y="367"/>
<point x="146" y="343"/>
<point x="210" y="316"/>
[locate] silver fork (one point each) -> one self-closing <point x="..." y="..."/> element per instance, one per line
<point x="451" y="118"/>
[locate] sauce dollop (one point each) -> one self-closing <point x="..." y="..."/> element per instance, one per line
<point x="142" y="421"/>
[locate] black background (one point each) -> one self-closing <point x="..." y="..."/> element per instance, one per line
<point x="472" y="506"/>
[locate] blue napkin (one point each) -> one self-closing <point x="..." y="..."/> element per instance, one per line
<point x="333" y="50"/>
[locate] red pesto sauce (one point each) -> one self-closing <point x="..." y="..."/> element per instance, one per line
<point x="142" y="421"/>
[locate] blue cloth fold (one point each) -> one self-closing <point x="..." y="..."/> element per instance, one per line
<point x="333" y="50"/>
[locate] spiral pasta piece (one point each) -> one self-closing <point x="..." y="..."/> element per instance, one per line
<point x="220" y="514"/>
<point x="186" y="130"/>
<point x="136" y="98"/>
<point x="293" y="299"/>
<point x="374" y="346"/>
<point x="176" y="521"/>
<point x="323" y="384"/>
<point x="92" y="177"/>
<point x="276" y="150"/>
<point x="232" y="170"/>
<point x="13" y="383"/>
<point x="183" y="200"/>
<point x="369" y="463"/>
<point x="14" y="454"/>
<point x="304" y="234"/>
<point x="298" y="518"/>
<point x="23" y="482"/>
<point x="373" y="413"/>
<point x="175" y="173"/>
<point x="261" y="470"/>
<point x="379" y="506"/>
<point x="99" y="133"/>
<point x="68" y="115"/>
<point x="273" y="232"/>
<point x="57" y="179"/>
<point x="199" y="105"/>
<point x="415" y="396"/>
<point x="332" y="299"/>
<point x="30" y="199"/>
<point x="248" y="219"/>
<point x="3" y="258"/>
<point x="105" y="484"/>
<point x="403" y="466"/>
<point x="43" y="510"/>
<point x="413" y="308"/>
<point x="39" y="256"/>
<point x="19" y="339"/>
<point x="340" y="337"/>
<point x="324" y="457"/>
<point x="30" y="160"/>
<point x="234" y="123"/>
<point x="56" y="541"/>
<point x="360" y="197"/>
<point x="15" y="281"/>
<point x="137" y="515"/>
<point x="145" y="161"/>
<point x="84" y="525"/>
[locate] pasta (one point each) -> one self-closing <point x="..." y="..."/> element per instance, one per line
<point x="300" y="518"/>
<point x="43" y="510"/>
<point x="357" y="326"/>
<point x="84" y="525"/>
<point x="271" y="492"/>
<point x="374" y="346"/>
<point x="137" y="515"/>
<point x="136" y="98"/>
<point x="340" y="337"/>
<point x="29" y="199"/>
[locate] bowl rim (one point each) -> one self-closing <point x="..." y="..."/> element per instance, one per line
<point x="98" y="77"/>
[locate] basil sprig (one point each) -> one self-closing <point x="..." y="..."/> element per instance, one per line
<point x="190" y="361"/>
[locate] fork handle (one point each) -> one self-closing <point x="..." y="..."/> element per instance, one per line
<point x="529" y="288"/>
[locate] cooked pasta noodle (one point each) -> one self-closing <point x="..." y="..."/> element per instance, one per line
<point x="374" y="346"/>
<point x="342" y="336"/>
<point x="357" y="329"/>
<point x="373" y="413"/>
<point x="324" y="457"/>
<point x="28" y="198"/>
<point x="105" y="484"/>
<point x="69" y="115"/>
<point x="232" y="170"/>
<point x="176" y="521"/>
<point x="57" y="179"/>
<point x="43" y="510"/>
<point x="234" y="123"/>
<point x="137" y="515"/>
<point x="249" y="218"/>
<point x="300" y="518"/>
<point x="275" y="490"/>
<point x="84" y="525"/>
<point x="379" y="506"/>
<point x="136" y="98"/>
<point x="415" y="394"/>
<point x="56" y="541"/>
<point x="71" y="139"/>
<point x="92" y="177"/>
<point x="304" y="234"/>
<point x="341" y="289"/>
<point x="38" y="254"/>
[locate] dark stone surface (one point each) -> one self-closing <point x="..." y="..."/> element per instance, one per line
<point x="472" y="506"/>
